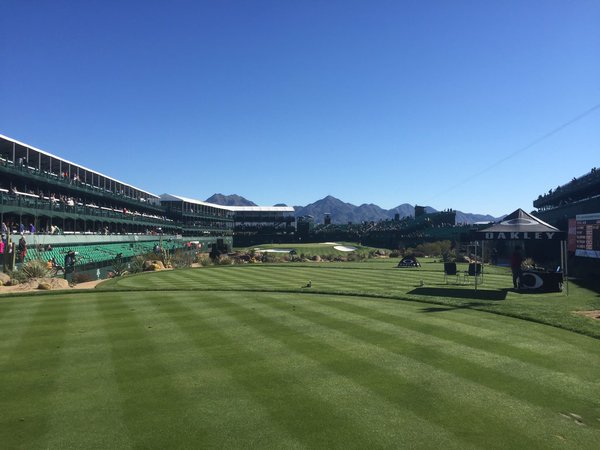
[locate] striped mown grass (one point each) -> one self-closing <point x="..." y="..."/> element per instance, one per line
<point x="217" y="357"/>
<point x="381" y="278"/>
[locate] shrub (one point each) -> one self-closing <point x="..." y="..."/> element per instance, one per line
<point x="355" y="256"/>
<point x="81" y="277"/>
<point x="225" y="261"/>
<point x="182" y="259"/>
<point x="16" y="277"/>
<point x="204" y="260"/>
<point x="448" y="255"/>
<point x="166" y="257"/>
<point x="137" y="264"/>
<point x="119" y="266"/>
<point x="35" y="268"/>
<point x="270" y="258"/>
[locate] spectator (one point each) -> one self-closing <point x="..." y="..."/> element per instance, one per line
<point x="22" y="247"/>
<point x="515" y="266"/>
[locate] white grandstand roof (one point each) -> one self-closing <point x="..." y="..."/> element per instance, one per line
<point x="179" y="198"/>
<point x="75" y="164"/>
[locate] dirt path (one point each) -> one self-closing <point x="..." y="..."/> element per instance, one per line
<point x="53" y="283"/>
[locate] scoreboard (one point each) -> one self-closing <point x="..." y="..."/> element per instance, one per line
<point x="587" y="235"/>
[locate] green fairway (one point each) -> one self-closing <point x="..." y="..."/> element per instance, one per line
<point x="246" y="357"/>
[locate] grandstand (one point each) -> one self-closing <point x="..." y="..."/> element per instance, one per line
<point x="196" y="215"/>
<point x="575" y="206"/>
<point x="55" y="203"/>
<point x="579" y="196"/>
<point x="262" y="224"/>
<point x="408" y="231"/>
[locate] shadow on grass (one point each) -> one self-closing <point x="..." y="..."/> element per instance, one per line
<point x="460" y="293"/>
<point x="434" y="309"/>
<point x="593" y="284"/>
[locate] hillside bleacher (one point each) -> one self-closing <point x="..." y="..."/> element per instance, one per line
<point x="97" y="254"/>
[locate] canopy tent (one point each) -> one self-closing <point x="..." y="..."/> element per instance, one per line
<point x="523" y="226"/>
<point x="520" y="225"/>
<point x="409" y="261"/>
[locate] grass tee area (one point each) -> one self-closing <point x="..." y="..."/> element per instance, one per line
<point x="370" y="356"/>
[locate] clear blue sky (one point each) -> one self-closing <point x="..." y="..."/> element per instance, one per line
<point x="386" y="102"/>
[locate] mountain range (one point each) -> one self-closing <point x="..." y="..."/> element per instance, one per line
<point x="342" y="212"/>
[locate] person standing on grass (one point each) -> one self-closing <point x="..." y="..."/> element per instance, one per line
<point x="515" y="266"/>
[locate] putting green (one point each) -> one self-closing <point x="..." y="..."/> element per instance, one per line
<point x="193" y="368"/>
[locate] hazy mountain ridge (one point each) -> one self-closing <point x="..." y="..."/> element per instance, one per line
<point x="342" y="212"/>
<point x="229" y="200"/>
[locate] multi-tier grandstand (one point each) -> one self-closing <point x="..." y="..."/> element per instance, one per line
<point x="575" y="206"/>
<point x="263" y="224"/>
<point x="57" y="205"/>
<point x="580" y="196"/>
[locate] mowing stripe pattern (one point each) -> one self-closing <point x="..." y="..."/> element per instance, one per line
<point x="186" y="359"/>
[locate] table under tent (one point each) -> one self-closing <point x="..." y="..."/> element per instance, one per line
<point x="524" y="227"/>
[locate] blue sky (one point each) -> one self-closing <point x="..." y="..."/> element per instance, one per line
<point x="387" y="102"/>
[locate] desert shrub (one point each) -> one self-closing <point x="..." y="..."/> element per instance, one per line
<point x="81" y="277"/>
<point x="16" y="277"/>
<point x="182" y="259"/>
<point x="395" y="254"/>
<point x="136" y="265"/>
<point x="270" y="258"/>
<point x="448" y="255"/>
<point x="204" y="260"/>
<point x="35" y="268"/>
<point x="225" y="261"/>
<point x="355" y="256"/>
<point x="166" y="257"/>
<point x="119" y="267"/>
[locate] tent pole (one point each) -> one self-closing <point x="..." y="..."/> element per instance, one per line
<point x="564" y="256"/>
<point x="482" y="251"/>
<point x="476" y="258"/>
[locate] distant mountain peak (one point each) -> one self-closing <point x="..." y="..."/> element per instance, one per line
<point x="342" y="212"/>
<point x="229" y="200"/>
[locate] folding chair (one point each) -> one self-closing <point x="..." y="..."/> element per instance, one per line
<point x="450" y="270"/>
<point x="475" y="270"/>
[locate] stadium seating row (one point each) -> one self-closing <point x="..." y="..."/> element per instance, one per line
<point x="87" y="254"/>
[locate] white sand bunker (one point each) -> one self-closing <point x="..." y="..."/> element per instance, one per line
<point x="345" y="248"/>
<point x="274" y="250"/>
<point x="330" y="243"/>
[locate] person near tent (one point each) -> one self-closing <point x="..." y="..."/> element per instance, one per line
<point x="516" y="260"/>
